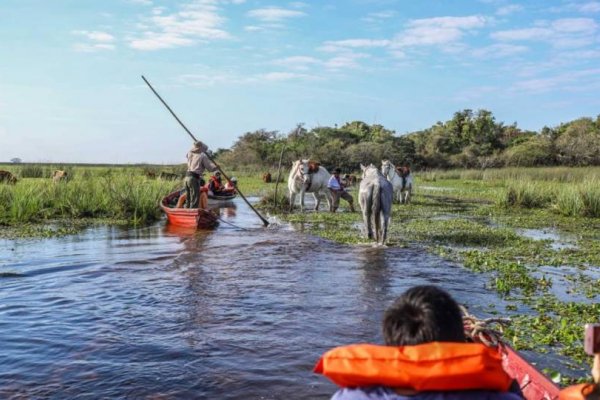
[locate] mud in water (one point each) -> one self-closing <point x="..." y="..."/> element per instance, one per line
<point x="161" y="313"/>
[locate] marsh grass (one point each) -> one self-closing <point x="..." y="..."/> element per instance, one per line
<point x="556" y="174"/>
<point x="570" y="199"/>
<point x="124" y="196"/>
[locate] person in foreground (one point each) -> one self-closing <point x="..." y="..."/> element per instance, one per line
<point x="426" y="356"/>
<point x="197" y="162"/>
<point x="337" y="190"/>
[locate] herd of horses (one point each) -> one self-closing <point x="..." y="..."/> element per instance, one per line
<point x="376" y="193"/>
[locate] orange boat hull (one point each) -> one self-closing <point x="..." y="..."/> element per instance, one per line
<point x="188" y="217"/>
<point x="533" y="384"/>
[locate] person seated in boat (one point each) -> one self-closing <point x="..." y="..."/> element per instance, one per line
<point x="426" y="356"/>
<point x="231" y="184"/>
<point x="203" y="203"/>
<point x="197" y="162"/>
<point x="216" y="187"/>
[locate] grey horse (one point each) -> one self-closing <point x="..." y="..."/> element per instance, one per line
<point x="375" y="196"/>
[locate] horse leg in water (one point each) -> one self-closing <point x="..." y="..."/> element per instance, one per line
<point x="302" y="191"/>
<point x="292" y="200"/>
<point x="376" y="212"/>
<point x="366" y="204"/>
<point x="385" y="221"/>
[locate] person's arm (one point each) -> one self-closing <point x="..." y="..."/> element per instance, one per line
<point x="208" y="164"/>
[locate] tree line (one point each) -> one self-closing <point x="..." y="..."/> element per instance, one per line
<point x="468" y="140"/>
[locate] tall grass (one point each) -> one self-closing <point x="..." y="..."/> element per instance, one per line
<point x="555" y="174"/>
<point x="124" y="196"/>
<point x="571" y="199"/>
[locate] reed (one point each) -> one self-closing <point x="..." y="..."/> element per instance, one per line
<point x="556" y="174"/>
<point x="575" y="199"/>
<point x="122" y="195"/>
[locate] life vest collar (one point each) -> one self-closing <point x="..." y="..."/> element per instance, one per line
<point x="436" y="366"/>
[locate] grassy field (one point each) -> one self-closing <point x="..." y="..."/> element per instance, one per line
<point x="534" y="232"/>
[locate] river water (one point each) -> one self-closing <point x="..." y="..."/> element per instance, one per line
<point x="160" y="313"/>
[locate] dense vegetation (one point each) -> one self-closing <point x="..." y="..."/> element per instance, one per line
<point x="469" y="140"/>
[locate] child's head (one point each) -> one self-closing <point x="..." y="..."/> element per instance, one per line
<point x="423" y="314"/>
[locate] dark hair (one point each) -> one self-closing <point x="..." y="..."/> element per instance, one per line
<point x="423" y="314"/>
<point x="337" y="170"/>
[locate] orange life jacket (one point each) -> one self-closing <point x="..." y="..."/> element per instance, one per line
<point x="216" y="184"/>
<point x="436" y="366"/>
<point x="576" y="392"/>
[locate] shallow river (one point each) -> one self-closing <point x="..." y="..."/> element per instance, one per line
<point x="157" y="313"/>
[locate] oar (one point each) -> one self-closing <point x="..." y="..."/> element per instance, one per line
<point x="265" y="222"/>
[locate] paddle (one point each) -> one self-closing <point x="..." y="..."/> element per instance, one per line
<point x="265" y="222"/>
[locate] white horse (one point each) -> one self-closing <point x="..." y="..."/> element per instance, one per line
<point x="310" y="177"/>
<point x="375" y="196"/>
<point x="402" y="184"/>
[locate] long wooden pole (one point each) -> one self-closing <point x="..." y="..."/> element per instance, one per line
<point x="265" y="222"/>
<point x="278" y="173"/>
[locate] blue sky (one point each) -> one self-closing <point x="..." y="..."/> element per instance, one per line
<point x="71" y="91"/>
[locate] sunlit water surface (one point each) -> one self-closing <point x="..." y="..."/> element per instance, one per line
<point x="160" y="313"/>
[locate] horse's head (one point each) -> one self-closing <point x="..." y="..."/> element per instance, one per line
<point x="300" y="170"/>
<point x="386" y="166"/>
<point x="368" y="170"/>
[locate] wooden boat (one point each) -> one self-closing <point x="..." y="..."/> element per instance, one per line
<point x="228" y="197"/>
<point x="534" y="384"/>
<point x="187" y="217"/>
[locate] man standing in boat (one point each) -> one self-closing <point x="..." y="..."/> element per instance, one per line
<point x="197" y="162"/>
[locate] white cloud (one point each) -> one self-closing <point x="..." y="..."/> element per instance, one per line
<point x="561" y="82"/>
<point x="509" y="9"/>
<point x="96" y="36"/>
<point x="253" y="28"/>
<point x="523" y="34"/>
<point x="274" y="14"/>
<point x="97" y="41"/>
<point x="562" y="33"/>
<point x="380" y="16"/>
<point x="196" y="21"/>
<point x="301" y="63"/>
<point x="90" y="48"/>
<point x="142" y="2"/>
<point x="298" y="4"/>
<point x="575" y="25"/>
<point x="437" y="31"/>
<point x="345" y="60"/>
<point x="499" y="50"/>
<point x="282" y="76"/>
<point x="157" y="41"/>
<point x="588" y="7"/>
<point x="591" y="7"/>
<point x="341" y="45"/>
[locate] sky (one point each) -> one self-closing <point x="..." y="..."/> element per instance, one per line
<point x="71" y="88"/>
